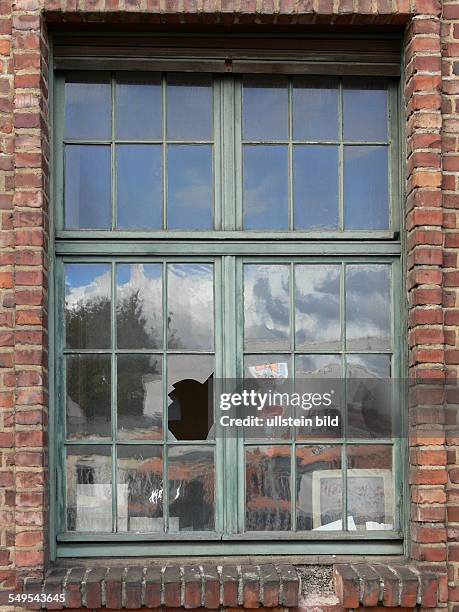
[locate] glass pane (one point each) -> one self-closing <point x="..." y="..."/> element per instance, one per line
<point x="368" y="307"/>
<point x="140" y="397"/>
<point x="189" y="107"/>
<point x="89" y="488"/>
<point x="88" y="396"/>
<point x="87" y="306"/>
<point x="88" y="110"/>
<point x="370" y="487"/>
<point x="139" y="178"/>
<point x="266" y="187"/>
<point x="366" y="196"/>
<point x="191" y="488"/>
<point x="317" y="307"/>
<point x="370" y="397"/>
<point x="267" y="366"/>
<point x="268" y="494"/>
<point x="265" y="108"/>
<point x="315" y="184"/>
<point x="365" y="113"/>
<point x="271" y="373"/>
<point x="189" y="400"/>
<point x="368" y="366"/>
<point x="140" y="488"/>
<point x="139" y="306"/>
<point x="190" y="308"/>
<point x="318" y="488"/>
<point x="315" y="109"/>
<point x="87" y="187"/>
<point x="138" y="109"/>
<point x="266" y="307"/>
<point x="190" y="187"/>
<point x="318" y="366"/>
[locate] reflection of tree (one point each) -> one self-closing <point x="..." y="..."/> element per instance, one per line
<point x="132" y="324"/>
<point x="89" y="376"/>
<point x="88" y="385"/>
<point x="173" y="341"/>
<point x="88" y="324"/>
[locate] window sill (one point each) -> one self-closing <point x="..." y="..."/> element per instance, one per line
<point x="345" y="586"/>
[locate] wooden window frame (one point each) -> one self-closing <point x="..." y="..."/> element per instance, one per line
<point x="228" y="247"/>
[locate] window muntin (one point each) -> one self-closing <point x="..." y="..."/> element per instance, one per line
<point x="140" y="450"/>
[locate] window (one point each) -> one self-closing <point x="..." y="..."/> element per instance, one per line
<point x="210" y="226"/>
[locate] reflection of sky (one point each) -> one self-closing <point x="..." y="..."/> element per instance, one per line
<point x="189" y="107"/>
<point x="190" y="305"/>
<point x="368" y="305"/>
<point x="368" y="366"/>
<point x="190" y="295"/>
<point x="86" y="280"/>
<point x="366" y="197"/>
<point x="87" y="187"/>
<point x="317" y="304"/>
<point x="87" y="110"/>
<point x="266" y="187"/>
<point x="147" y="280"/>
<point x="328" y="366"/>
<point x="189" y="203"/>
<point x="265" y="108"/>
<point x="138" y="111"/>
<point x="139" y="186"/>
<point x="315" y="184"/>
<point x="365" y="114"/>
<point x="315" y="113"/>
<point x="266" y="305"/>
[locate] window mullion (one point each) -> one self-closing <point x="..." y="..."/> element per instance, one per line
<point x="230" y="352"/>
<point x="225" y="147"/>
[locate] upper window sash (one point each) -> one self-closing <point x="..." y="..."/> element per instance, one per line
<point x="198" y="147"/>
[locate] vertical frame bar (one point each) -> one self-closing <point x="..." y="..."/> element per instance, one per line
<point x="114" y="393"/>
<point x="55" y="102"/>
<point x="340" y="156"/>
<point x="57" y="135"/>
<point x="59" y="404"/>
<point x="228" y="128"/>
<point x="292" y="287"/>
<point x="219" y="446"/>
<point x="113" y="154"/>
<point x="164" y="146"/>
<point x="217" y="154"/>
<point x="342" y="302"/>
<point x="238" y="171"/>
<point x="232" y="357"/>
<point x="165" y="405"/>
<point x="291" y="203"/>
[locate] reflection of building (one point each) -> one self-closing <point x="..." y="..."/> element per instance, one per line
<point x="140" y="489"/>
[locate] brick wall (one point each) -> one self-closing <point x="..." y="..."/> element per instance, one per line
<point x="432" y="244"/>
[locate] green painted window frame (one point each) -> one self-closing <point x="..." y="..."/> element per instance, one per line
<point x="229" y="248"/>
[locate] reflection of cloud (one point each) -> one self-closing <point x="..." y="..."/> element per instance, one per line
<point x="196" y="193"/>
<point x="368" y="304"/>
<point x="190" y="298"/>
<point x="266" y="296"/>
<point x="317" y="304"/>
<point x="190" y="305"/>
<point x="97" y="287"/>
<point x="263" y="195"/>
